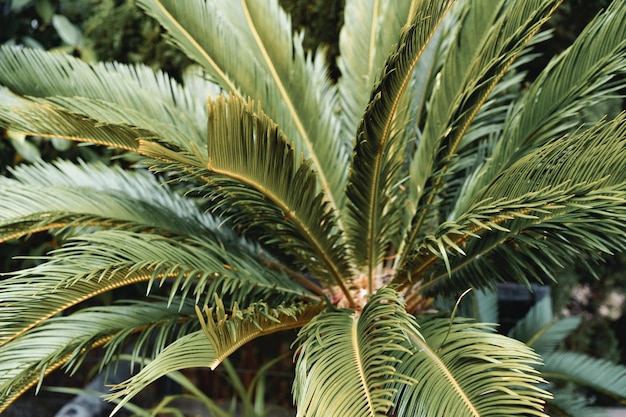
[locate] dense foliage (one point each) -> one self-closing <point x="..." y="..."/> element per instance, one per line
<point x="340" y="209"/>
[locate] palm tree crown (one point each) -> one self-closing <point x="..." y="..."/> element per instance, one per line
<point x="291" y="202"/>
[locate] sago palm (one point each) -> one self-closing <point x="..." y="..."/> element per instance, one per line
<point x="291" y="202"/>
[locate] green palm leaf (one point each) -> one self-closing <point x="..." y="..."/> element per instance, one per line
<point x="294" y="90"/>
<point x="378" y="160"/>
<point x="66" y="195"/>
<point x="490" y="39"/>
<point x="560" y="190"/>
<point x="463" y="368"/>
<point x="190" y="351"/>
<point x="540" y="330"/>
<point x="250" y="163"/>
<point x="104" y="260"/>
<point x="583" y="75"/>
<point x="228" y="331"/>
<point x="66" y="340"/>
<point x="598" y="374"/>
<point x="110" y="93"/>
<point x="367" y="36"/>
<point x="345" y="372"/>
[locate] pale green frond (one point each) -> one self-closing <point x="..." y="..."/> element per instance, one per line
<point x="111" y="93"/>
<point x="294" y="89"/>
<point x="350" y="370"/>
<point x="62" y="194"/>
<point x="190" y="351"/>
<point x="600" y="375"/>
<point x="228" y="331"/>
<point x="250" y="164"/>
<point x="64" y="341"/>
<point x="92" y="264"/>
<point x="370" y="31"/>
<point x="491" y="36"/>
<point x="561" y="191"/>
<point x="540" y="330"/>
<point x="463" y="369"/>
<point x="374" y="219"/>
<point x="584" y="74"/>
<point x="45" y="120"/>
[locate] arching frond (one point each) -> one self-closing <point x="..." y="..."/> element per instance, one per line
<point x="600" y="375"/>
<point x="351" y="370"/>
<point x="559" y="191"/>
<point x="110" y="93"/>
<point x="228" y="331"/>
<point x="490" y="38"/>
<point x="190" y="351"/>
<point x="66" y="195"/>
<point x="540" y="330"/>
<point x="250" y="163"/>
<point x="294" y="90"/>
<point x="370" y="31"/>
<point x="66" y="340"/>
<point x="584" y="74"/>
<point x="373" y="204"/>
<point x="463" y="369"/>
<point x="104" y="260"/>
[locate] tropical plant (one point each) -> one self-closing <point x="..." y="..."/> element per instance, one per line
<point x="289" y="202"/>
<point x="572" y="375"/>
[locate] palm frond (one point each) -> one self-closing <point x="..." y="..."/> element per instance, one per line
<point x="373" y="225"/>
<point x="560" y="191"/>
<point x="111" y="93"/>
<point x="66" y="340"/>
<point x="598" y="374"/>
<point x="250" y="163"/>
<point x="364" y="347"/>
<point x="45" y="120"/>
<point x="540" y="330"/>
<point x="584" y="74"/>
<point x="104" y="260"/>
<point x="490" y="39"/>
<point x="65" y="195"/>
<point x="228" y="331"/>
<point x="295" y="90"/>
<point x="190" y="351"/>
<point x="370" y="31"/>
<point x="463" y="368"/>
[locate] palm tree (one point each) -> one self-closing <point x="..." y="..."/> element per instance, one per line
<point x="289" y="202"/>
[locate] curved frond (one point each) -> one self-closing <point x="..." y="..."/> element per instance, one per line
<point x="598" y="374"/>
<point x="294" y="90"/>
<point x="540" y="330"/>
<point x="351" y="369"/>
<point x="370" y="31"/>
<point x="114" y="94"/>
<point x="463" y="369"/>
<point x="250" y="163"/>
<point x="64" y="341"/>
<point x="190" y="351"/>
<point x="62" y="195"/>
<point x="491" y="37"/>
<point x="373" y="203"/>
<point x="228" y="331"/>
<point x="559" y="191"/>
<point x="104" y="260"/>
<point x="584" y="74"/>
